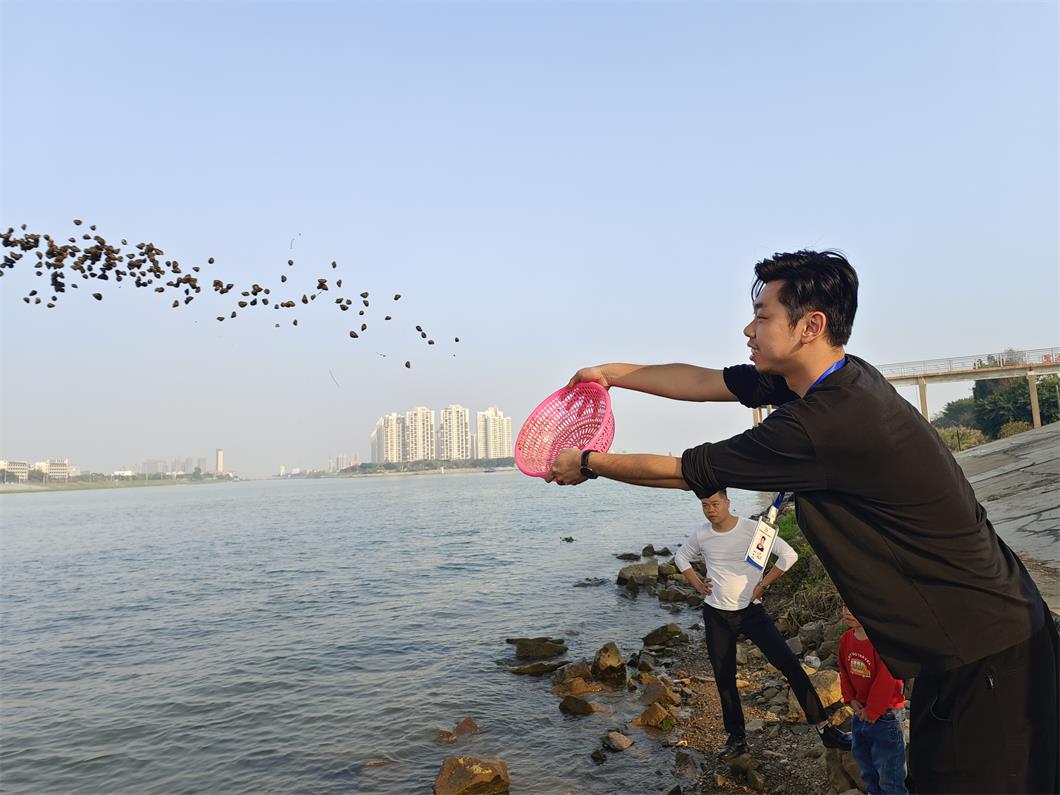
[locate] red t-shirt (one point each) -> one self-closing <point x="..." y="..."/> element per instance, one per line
<point x="864" y="676"/>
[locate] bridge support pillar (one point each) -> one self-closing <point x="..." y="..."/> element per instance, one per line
<point x="922" y="388"/>
<point x="1036" y="413"/>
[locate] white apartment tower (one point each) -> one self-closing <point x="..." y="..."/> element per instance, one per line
<point x="220" y="466"/>
<point x="394" y="447"/>
<point x="493" y="433"/>
<point x="419" y="431"/>
<point x="378" y="442"/>
<point x="454" y="440"/>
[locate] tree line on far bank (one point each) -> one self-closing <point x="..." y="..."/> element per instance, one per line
<point x="997" y="409"/>
<point x="426" y="466"/>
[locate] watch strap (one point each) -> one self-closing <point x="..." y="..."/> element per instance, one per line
<point x="585" y="470"/>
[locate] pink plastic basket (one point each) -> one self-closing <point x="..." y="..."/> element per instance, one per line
<point x="579" y="416"/>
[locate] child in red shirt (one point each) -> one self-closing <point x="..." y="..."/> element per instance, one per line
<point x="879" y="718"/>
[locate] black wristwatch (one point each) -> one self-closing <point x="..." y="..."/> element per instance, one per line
<point x="586" y="472"/>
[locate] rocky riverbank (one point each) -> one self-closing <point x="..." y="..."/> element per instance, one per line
<point x="664" y="693"/>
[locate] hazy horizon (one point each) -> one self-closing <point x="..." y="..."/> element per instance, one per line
<point x="556" y="185"/>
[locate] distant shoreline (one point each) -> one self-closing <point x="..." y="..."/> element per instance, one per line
<point x="22" y="488"/>
<point x="440" y="471"/>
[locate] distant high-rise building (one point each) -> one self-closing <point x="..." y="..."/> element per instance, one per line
<point x="454" y="439"/>
<point x="341" y="462"/>
<point x="379" y="442"/>
<point x="394" y="445"/>
<point x="201" y="464"/>
<point x="283" y="471"/>
<point x="494" y="434"/>
<point x="220" y="466"/>
<point x="419" y="430"/>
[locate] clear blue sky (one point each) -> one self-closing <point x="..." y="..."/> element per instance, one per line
<point x="557" y="184"/>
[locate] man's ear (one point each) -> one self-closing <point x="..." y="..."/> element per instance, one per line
<point x="814" y="325"/>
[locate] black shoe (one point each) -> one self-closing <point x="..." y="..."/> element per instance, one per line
<point x="833" y="738"/>
<point x="734" y="746"/>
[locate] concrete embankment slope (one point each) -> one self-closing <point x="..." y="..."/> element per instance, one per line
<point x="1018" y="482"/>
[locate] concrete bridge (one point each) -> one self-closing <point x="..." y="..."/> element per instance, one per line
<point x="983" y="367"/>
<point x="1027" y="364"/>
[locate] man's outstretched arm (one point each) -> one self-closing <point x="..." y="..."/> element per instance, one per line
<point x="675" y="381"/>
<point x="640" y="469"/>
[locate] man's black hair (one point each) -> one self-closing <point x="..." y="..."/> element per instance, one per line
<point x="813" y="282"/>
<point x="723" y="492"/>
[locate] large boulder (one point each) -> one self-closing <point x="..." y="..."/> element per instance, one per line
<point x="842" y="771"/>
<point x="828" y="688"/>
<point x="640" y="573"/>
<point x="579" y="686"/>
<point x="653" y="716"/>
<point x="608" y="666"/>
<point x="665" y="635"/>
<point x="812" y="633"/>
<point x="574" y="670"/>
<point x="657" y="692"/>
<point x="673" y="594"/>
<point x="472" y="775"/>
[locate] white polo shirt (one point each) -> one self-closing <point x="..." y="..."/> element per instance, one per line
<point x="725" y="555"/>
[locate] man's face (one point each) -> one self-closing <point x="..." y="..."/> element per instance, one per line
<point x="716" y="508"/>
<point x="770" y="336"/>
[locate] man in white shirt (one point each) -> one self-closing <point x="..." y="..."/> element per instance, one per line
<point x="732" y="606"/>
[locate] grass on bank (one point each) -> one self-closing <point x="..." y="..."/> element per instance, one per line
<point x="806" y="593"/>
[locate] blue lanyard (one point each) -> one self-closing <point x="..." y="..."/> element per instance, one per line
<point x="826" y="373"/>
<point x="780" y="497"/>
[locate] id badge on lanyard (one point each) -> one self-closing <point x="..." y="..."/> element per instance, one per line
<point x="761" y="544"/>
<point x="764" y="536"/>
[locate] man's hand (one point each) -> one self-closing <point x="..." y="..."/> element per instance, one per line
<point x="567" y="468"/>
<point x="706" y="586"/>
<point x="592" y="374"/>
<point x="758" y="593"/>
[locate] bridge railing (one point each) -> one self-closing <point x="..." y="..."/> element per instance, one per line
<point x="1009" y="358"/>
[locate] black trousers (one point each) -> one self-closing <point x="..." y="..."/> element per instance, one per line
<point x="992" y="725"/>
<point x="722" y="628"/>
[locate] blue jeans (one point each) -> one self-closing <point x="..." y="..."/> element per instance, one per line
<point x="879" y="750"/>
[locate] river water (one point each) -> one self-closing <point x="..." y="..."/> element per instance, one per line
<point x="313" y="636"/>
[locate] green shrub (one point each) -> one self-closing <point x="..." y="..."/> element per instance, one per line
<point x="961" y="438"/>
<point x="1012" y="428"/>
<point x="806" y="592"/>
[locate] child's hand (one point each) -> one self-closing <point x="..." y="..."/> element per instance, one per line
<point x="857" y="706"/>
